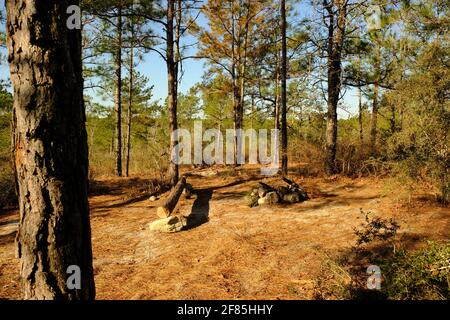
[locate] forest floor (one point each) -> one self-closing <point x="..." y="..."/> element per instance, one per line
<point x="266" y="252"/>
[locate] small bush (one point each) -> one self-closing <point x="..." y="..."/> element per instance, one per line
<point x="251" y="199"/>
<point x="375" y="228"/>
<point x="424" y="274"/>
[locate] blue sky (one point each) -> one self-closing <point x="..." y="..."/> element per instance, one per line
<point x="153" y="67"/>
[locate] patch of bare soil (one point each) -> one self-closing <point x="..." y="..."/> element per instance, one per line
<point x="228" y="251"/>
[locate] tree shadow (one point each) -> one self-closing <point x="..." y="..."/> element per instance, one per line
<point x="5" y="223"/>
<point x="126" y="186"/>
<point x="8" y="238"/>
<point x="200" y="209"/>
<point x="123" y="203"/>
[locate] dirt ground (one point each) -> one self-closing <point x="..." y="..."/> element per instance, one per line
<point x="266" y="252"/>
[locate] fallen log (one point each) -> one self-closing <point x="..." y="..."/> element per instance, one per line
<point x="264" y="189"/>
<point x="296" y="192"/>
<point x="290" y="182"/>
<point x="171" y="202"/>
<point x="282" y="191"/>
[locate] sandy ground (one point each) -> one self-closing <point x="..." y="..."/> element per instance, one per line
<point x="239" y="252"/>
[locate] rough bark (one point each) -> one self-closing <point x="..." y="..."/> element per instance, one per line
<point x="50" y="149"/>
<point x="336" y="32"/>
<point x="171" y="202"/>
<point x="118" y="95"/>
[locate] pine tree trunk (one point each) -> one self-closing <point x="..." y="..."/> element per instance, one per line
<point x="374" y="116"/>
<point x="118" y="95"/>
<point x="172" y="90"/>
<point x="374" y="120"/>
<point x="284" y="138"/>
<point x="277" y="91"/>
<point x="335" y="44"/>
<point x="392" y="120"/>
<point x="360" y="115"/>
<point x="50" y="149"/>
<point x="130" y="105"/>
<point x="234" y="79"/>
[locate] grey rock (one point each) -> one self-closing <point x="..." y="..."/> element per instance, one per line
<point x="262" y="192"/>
<point x="270" y="198"/>
<point x="167" y="225"/>
<point x="292" y="197"/>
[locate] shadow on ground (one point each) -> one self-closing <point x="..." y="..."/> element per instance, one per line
<point x="200" y="209"/>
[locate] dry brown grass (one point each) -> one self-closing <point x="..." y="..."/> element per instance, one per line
<point x="241" y="252"/>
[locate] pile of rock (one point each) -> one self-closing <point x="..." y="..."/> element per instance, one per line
<point x="264" y="194"/>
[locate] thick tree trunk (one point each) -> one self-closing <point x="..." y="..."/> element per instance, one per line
<point x="50" y="149"/>
<point x="284" y="138"/>
<point x="172" y="91"/>
<point x="335" y="44"/>
<point x="118" y="95"/>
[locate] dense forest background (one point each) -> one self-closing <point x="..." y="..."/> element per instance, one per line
<point x="394" y="64"/>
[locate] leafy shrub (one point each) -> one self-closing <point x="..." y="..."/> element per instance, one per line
<point x="424" y="274"/>
<point x="251" y="199"/>
<point x="375" y="228"/>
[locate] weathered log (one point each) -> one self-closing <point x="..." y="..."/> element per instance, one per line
<point x="264" y="189"/>
<point x="169" y="205"/>
<point x="282" y="191"/>
<point x="291" y="183"/>
<point x="295" y="188"/>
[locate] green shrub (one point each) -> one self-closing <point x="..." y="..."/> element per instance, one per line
<point x="424" y="274"/>
<point x="251" y="199"/>
<point x="375" y="228"/>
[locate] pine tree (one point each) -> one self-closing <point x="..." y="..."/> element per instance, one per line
<point x="50" y="150"/>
